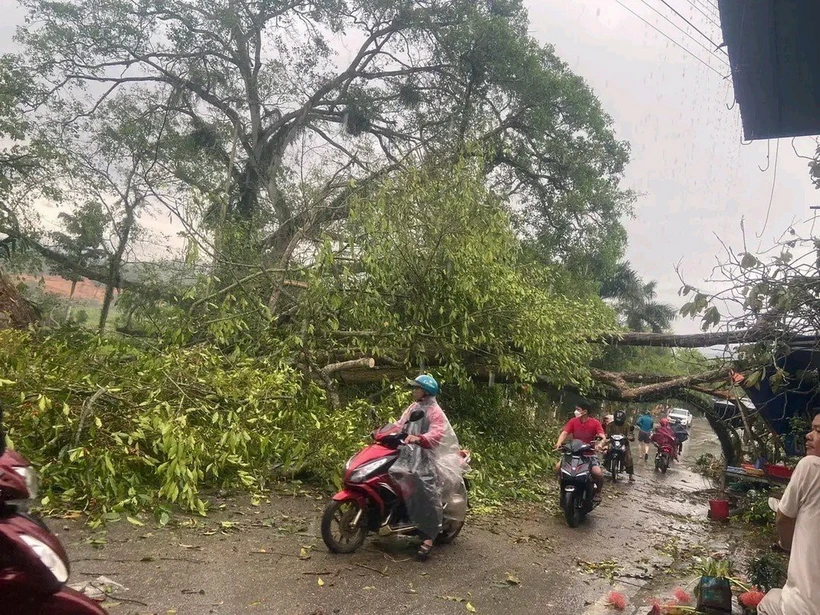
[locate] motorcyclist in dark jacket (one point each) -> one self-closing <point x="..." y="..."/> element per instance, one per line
<point x="681" y="433"/>
<point x="618" y="427"/>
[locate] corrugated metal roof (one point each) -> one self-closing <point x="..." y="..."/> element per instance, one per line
<point x="774" y="52"/>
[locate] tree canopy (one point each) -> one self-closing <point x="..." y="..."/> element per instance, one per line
<point x="268" y="102"/>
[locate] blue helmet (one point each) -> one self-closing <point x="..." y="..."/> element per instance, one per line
<point x="426" y="383"/>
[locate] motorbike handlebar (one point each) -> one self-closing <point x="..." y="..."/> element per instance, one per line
<point x="396" y="439"/>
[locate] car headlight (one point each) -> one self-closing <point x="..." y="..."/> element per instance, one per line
<point x="32" y="481"/>
<point x="369" y="469"/>
<point x="49" y="558"/>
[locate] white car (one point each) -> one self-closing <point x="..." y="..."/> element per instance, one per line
<point x="681" y="414"/>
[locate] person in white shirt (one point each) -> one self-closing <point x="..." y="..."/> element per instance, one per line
<point x="798" y="528"/>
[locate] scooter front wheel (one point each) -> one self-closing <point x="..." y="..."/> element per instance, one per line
<point x="613" y="470"/>
<point x="572" y="513"/>
<point x="343" y="527"/>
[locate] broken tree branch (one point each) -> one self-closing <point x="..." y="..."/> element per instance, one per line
<point x="619" y="389"/>
<point x="330" y="383"/>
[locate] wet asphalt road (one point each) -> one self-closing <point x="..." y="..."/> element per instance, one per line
<point x="246" y="559"/>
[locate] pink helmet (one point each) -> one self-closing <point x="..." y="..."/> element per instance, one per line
<point x="664" y="422"/>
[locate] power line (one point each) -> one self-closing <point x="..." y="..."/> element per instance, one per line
<point x="706" y="64"/>
<point x="771" y="195"/>
<point x="698" y="43"/>
<point x="712" y="7"/>
<point x="698" y="30"/>
<point x="702" y="12"/>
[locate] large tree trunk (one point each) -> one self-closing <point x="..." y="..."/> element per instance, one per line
<point x="115" y="262"/>
<point x="70" y="300"/>
<point x="696" y="340"/>
<point x="106" y="305"/>
<point x="729" y="442"/>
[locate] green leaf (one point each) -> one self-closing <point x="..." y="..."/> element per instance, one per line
<point x="748" y="261"/>
<point x="753" y="378"/>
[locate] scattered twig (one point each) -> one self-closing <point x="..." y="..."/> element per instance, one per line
<point x="396" y="561"/>
<point x="381" y="572"/>
<point x="87" y="405"/>
<point x="272" y="553"/>
<point x="129" y="600"/>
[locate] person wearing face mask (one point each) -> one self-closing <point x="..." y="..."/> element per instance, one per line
<point x="587" y="429"/>
<point x="798" y="529"/>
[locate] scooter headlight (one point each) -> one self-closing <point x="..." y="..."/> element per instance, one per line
<point x="49" y="558"/>
<point x="371" y="468"/>
<point x="29" y="474"/>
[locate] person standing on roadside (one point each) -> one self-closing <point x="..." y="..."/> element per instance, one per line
<point x="798" y="531"/>
<point x="644" y="425"/>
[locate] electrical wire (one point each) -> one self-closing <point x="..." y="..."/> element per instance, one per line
<point x="711" y="6"/>
<point x="695" y="28"/>
<point x="771" y="195"/>
<point x="702" y="12"/>
<point x="694" y="40"/>
<point x="662" y="33"/>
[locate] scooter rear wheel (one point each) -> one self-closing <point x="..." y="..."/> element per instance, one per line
<point x="451" y="528"/>
<point x="338" y="531"/>
<point x="449" y="531"/>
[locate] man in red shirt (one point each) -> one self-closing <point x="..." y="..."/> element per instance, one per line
<point x="585" y="428"/>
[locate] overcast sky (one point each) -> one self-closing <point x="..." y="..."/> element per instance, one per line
<point x="696" y="178"/>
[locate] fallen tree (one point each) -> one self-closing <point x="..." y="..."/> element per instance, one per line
<point x="697" y="340"/>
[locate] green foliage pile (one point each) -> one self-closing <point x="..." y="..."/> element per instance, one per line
<point x="115" y="427"/>
<point x="510" y="439"/>
<point x="112" y="426"/>
<point x="757" y="511"/>
<point x="431" y="269"/>
<point x="767" y="570"/>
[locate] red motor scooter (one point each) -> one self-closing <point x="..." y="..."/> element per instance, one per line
<point x="371" y="501"/>
<point x="667" y="450"/>
<point x="33" y="563"/>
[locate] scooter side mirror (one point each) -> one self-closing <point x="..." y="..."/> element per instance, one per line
<point x="416" y="415"/>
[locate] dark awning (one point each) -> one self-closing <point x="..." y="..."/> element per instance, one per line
<point x="774" y="52"/>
